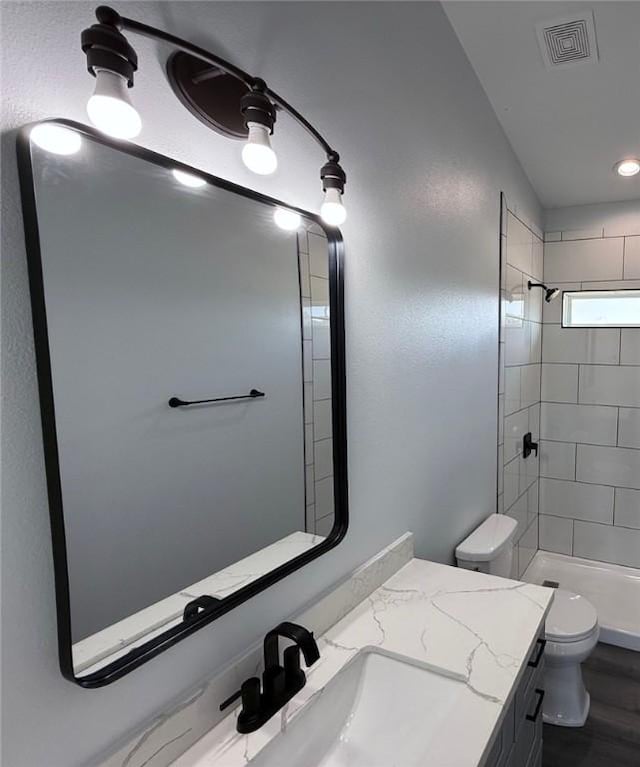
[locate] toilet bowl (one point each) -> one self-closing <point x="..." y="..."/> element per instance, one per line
<point x="571" y="633"/>
<point x="571" y="628"/>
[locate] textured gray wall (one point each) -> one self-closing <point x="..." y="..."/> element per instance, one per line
<point x="426" y="158"/>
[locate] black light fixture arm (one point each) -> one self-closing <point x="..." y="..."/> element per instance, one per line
<point x="110" y="17"/>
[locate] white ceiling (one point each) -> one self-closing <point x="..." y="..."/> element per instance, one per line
<point x="568" y="126"/>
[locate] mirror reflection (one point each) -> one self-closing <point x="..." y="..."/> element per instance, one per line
<point x="190" y="345"/>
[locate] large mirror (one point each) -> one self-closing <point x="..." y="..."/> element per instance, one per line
<point x="189" y="340"/>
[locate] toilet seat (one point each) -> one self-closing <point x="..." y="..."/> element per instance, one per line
<point x="571" y="618"/>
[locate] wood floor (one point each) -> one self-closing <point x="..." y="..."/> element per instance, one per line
<point x="611" y="735"/>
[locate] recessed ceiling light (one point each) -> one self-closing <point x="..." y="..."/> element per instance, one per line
<point x="56" y="138"/>
<point x="188" y="179"/>
<point x="628" y="167"/>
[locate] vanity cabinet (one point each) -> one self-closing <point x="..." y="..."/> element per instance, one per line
<point x="519" y="741"/>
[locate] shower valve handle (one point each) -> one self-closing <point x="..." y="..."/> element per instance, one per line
<point x="528" y="445"/>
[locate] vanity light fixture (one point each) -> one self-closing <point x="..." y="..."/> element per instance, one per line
<point x="220" y="94"/>
<point x="628" y="167"/>
<point x="188" y="179"/>
<point x="288" y="220"/>
<point x="112" y="61"/>
<point x="56" y="139"/>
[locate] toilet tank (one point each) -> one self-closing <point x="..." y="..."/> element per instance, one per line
<point x="489" y="548"/>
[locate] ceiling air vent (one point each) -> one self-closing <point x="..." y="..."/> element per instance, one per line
<point x="568" y="41"/>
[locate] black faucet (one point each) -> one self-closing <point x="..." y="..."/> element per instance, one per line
<point x="279" y="683"/>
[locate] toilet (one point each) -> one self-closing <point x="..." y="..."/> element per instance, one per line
<point x="571" y="628"/>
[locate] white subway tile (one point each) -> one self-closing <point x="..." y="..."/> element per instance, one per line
<point x="559" y="383"/>
<point x="519" y="244"/>
<point x="517" y="339"/>
<point x="532" y="501"/>
<point x="500" y="469"/>
<point x="307" y="402"/>
<point x="529" y="471"/>
<point x="518" y="511"/>
<point x="512" y="390"/>
<point x="529" y="385"/>
<point x="318" y="256"/>
<point x="306" y="319"/>
<point x="323" y="458"/>
<point x="532" y="304"/>
<point x="321" y="339"/>
<point x="632" y="258"/>
<point x="310" y="517"/>
<point x="552" y="236"/>
<point x="557" y="460"/>
<point x="320" y="298"/>
<point x="515" y="297"/>
<point x="630" y="346"/>
<point x="527" y="547"/>
<point x="629" y="427"/>
<point x="303" y="245"/>
<point x="601" y="346"/>
<point x="321" y="379"/>
<point x="324" y="497"/>
<point x="552" y="310"/>
<point x="500" y="419"/>
<point x="592" y="233"/>
<point x="309" y="482"/>
<point x="534" y="421"/>
<point x="515" y="427"/>
<point x="576" y="501"/>
<point x="307" y="360"/>
<point x="325" y="525"/>
<point x="537" y="261"/>
<point x="556" y="534"/>
<point x="501" y="367"/>
<point x="616" y="466"/>
<point x="535" y="342"/>
<point x="592" y="424"/>
<point x="511" y="482"/>
<point x="610" y="385"/>
<point x="322" y="420"/>
<point x="305" y="281"/>
<point x="606" y="543"/>
<point x="627" y="508"/>
<point x="308" y="443"/>
<point x="584" y="260"/>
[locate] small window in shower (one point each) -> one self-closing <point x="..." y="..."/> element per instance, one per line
<point x="601" y="309"/>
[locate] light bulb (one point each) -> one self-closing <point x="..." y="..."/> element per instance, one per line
<point x="333" y="211"/>
<point x="630" y="167"/>
<point x="110" y="108"/>
<point x="188" y="179"/>
<point x="288" y="220"/>
<point x="56" y="138"/>
<point x="257" y="153"/>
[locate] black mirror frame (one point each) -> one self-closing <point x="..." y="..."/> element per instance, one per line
<point x="148" y="650"/>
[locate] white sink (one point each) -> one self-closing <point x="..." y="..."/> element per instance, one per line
<point x="377" y="712"/>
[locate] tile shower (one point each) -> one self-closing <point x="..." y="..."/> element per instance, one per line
<point x="316" y="364"/>
<point x="590" y="413"/>
<point x="521" y="260"/>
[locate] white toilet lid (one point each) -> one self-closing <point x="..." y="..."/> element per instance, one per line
<point x="571" y="617"/>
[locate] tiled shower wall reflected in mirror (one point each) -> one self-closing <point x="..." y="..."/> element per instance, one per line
<point x="521" y="260"/>
<point x="318" y="443"/>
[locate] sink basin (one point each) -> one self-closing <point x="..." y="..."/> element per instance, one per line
<point x="378" y="711"/>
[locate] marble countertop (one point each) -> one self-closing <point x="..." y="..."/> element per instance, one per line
<point x="477" y="628"/>
<point x="93" y="652"/>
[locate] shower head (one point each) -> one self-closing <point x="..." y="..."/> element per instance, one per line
<point x="549" y="293"/>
